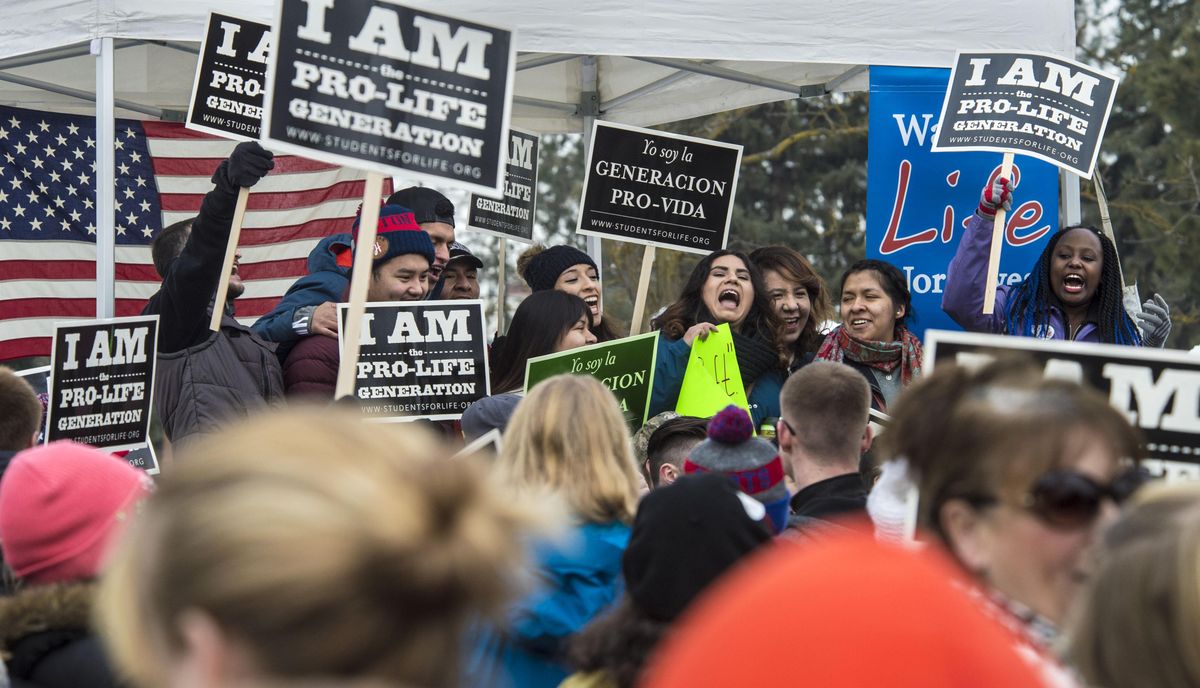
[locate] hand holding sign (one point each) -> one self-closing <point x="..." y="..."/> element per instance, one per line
<point x="713" y="379"/>
<point x="248" y="163"/>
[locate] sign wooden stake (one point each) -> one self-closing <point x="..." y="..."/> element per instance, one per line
<point x="1106" y="221"/>
<point x="639" y="302"/>
<point x="235" y="235"/>
<point x="364" y="246"/>
<point x="502" y="287"/>
<point x="989" y="294"/>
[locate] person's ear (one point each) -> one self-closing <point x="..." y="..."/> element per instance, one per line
<point x="900" y="311"/>
<point x="784" y="436"/>
<point x="207" y="657"/>
<point x="968" y="534"/>
<point x="867" y="438"/>
<point x="667" y="474"/>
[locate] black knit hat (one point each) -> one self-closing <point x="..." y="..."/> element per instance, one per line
<point x="685" y="535"/>
<point x="427" y="205"/>
<point x="543" y="269"/>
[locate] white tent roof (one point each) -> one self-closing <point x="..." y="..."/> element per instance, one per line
<point x="787" y="47"/>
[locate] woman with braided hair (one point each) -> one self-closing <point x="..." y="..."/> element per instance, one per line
<point x="1073" y="291"/>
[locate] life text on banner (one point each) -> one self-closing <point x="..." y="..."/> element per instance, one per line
<point x="919" y="202"/>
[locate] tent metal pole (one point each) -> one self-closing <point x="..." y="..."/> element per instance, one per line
<point x="589" y="109"/>
<point x="546" y="104"/>
<point x="60" y="54"/>
<point x="90" y="97"/>
<point x="646" y="90"/>
<point x="806" y="91"/>
<point x="836" y="82"/>
<point x="1072" y="210"/>
<point x="542" y="60"/>
<point x="102" y="48"/>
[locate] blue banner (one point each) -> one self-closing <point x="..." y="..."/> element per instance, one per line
<point x="918" y="201"/>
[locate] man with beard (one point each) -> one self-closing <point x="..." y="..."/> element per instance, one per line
<point x="205" y="378"/>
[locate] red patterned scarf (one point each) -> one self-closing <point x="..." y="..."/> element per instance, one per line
<point x="904" y="352"/>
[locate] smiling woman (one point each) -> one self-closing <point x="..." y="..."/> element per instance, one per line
<point x="724" y="287"/>
<point x="873" y="337"/>
<point x="567" y="269"/>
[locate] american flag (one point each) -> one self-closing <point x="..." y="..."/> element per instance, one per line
<point x="48" y="218"/>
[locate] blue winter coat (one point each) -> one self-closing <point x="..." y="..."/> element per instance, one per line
<point x="965" y="286"/>
<point x="579" y="578"/>
<point x="325" y="281"/>
<point x="668" y="379"/>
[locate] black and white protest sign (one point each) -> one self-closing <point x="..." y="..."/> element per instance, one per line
<point x="1040" y="105"/>
<point x="231" y="78"/>
<point x="142" y="457"/>
<point x="101" y="380"/>
<point x="511" y="215"/>
<point x="420" y="359"/>
<point x="652" y="187"/>
<point x="1157" y="389"/>
<point x="392" y="89"/>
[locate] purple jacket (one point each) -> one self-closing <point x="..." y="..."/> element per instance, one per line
<point x="963" y="295"/>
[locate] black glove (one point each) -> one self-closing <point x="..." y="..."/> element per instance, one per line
<point x="1155" y="321"/>
<point x="994" y="197"/>
<point x="248" y="163"/>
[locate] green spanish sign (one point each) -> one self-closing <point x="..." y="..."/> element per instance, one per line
<point x="626" y="366"/>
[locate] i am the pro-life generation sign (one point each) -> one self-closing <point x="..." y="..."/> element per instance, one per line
<point x="391" y="89"/>
<point x="101" y="380"/>
<point x="231" y="78"/>
<point x="1040" y="105"/>
<point x="511" y="216"/>
<point x="420" y="359"/>
<point x="661" y="189"/>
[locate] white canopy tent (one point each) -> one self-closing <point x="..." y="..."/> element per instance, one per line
<point x="639" y="62"/>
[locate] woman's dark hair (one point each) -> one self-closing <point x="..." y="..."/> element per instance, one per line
<point x="761" y="320"/>
<point x="794" y="267"/>
<point x="892" y="281"/>
<point x="540" y="321"/>
<point x="618" y="643"/>
<point x="1029" y="307"/>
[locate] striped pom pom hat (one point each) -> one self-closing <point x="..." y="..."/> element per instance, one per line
<point x="750" y="462"/>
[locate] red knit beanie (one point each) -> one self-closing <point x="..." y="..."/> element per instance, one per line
<point x="60" y="506"/>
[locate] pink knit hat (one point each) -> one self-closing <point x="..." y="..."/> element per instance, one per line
<point x="60" y="505"/>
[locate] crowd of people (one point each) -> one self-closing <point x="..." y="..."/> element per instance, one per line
<point x="997" y="532"/>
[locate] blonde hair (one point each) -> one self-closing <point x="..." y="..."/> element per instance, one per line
<point x="328" y="547"/>
<point x="569" y="438"/>
<point x="1140" y="621"/>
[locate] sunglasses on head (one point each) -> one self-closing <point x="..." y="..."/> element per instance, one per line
<point x="1069" y="499"/>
